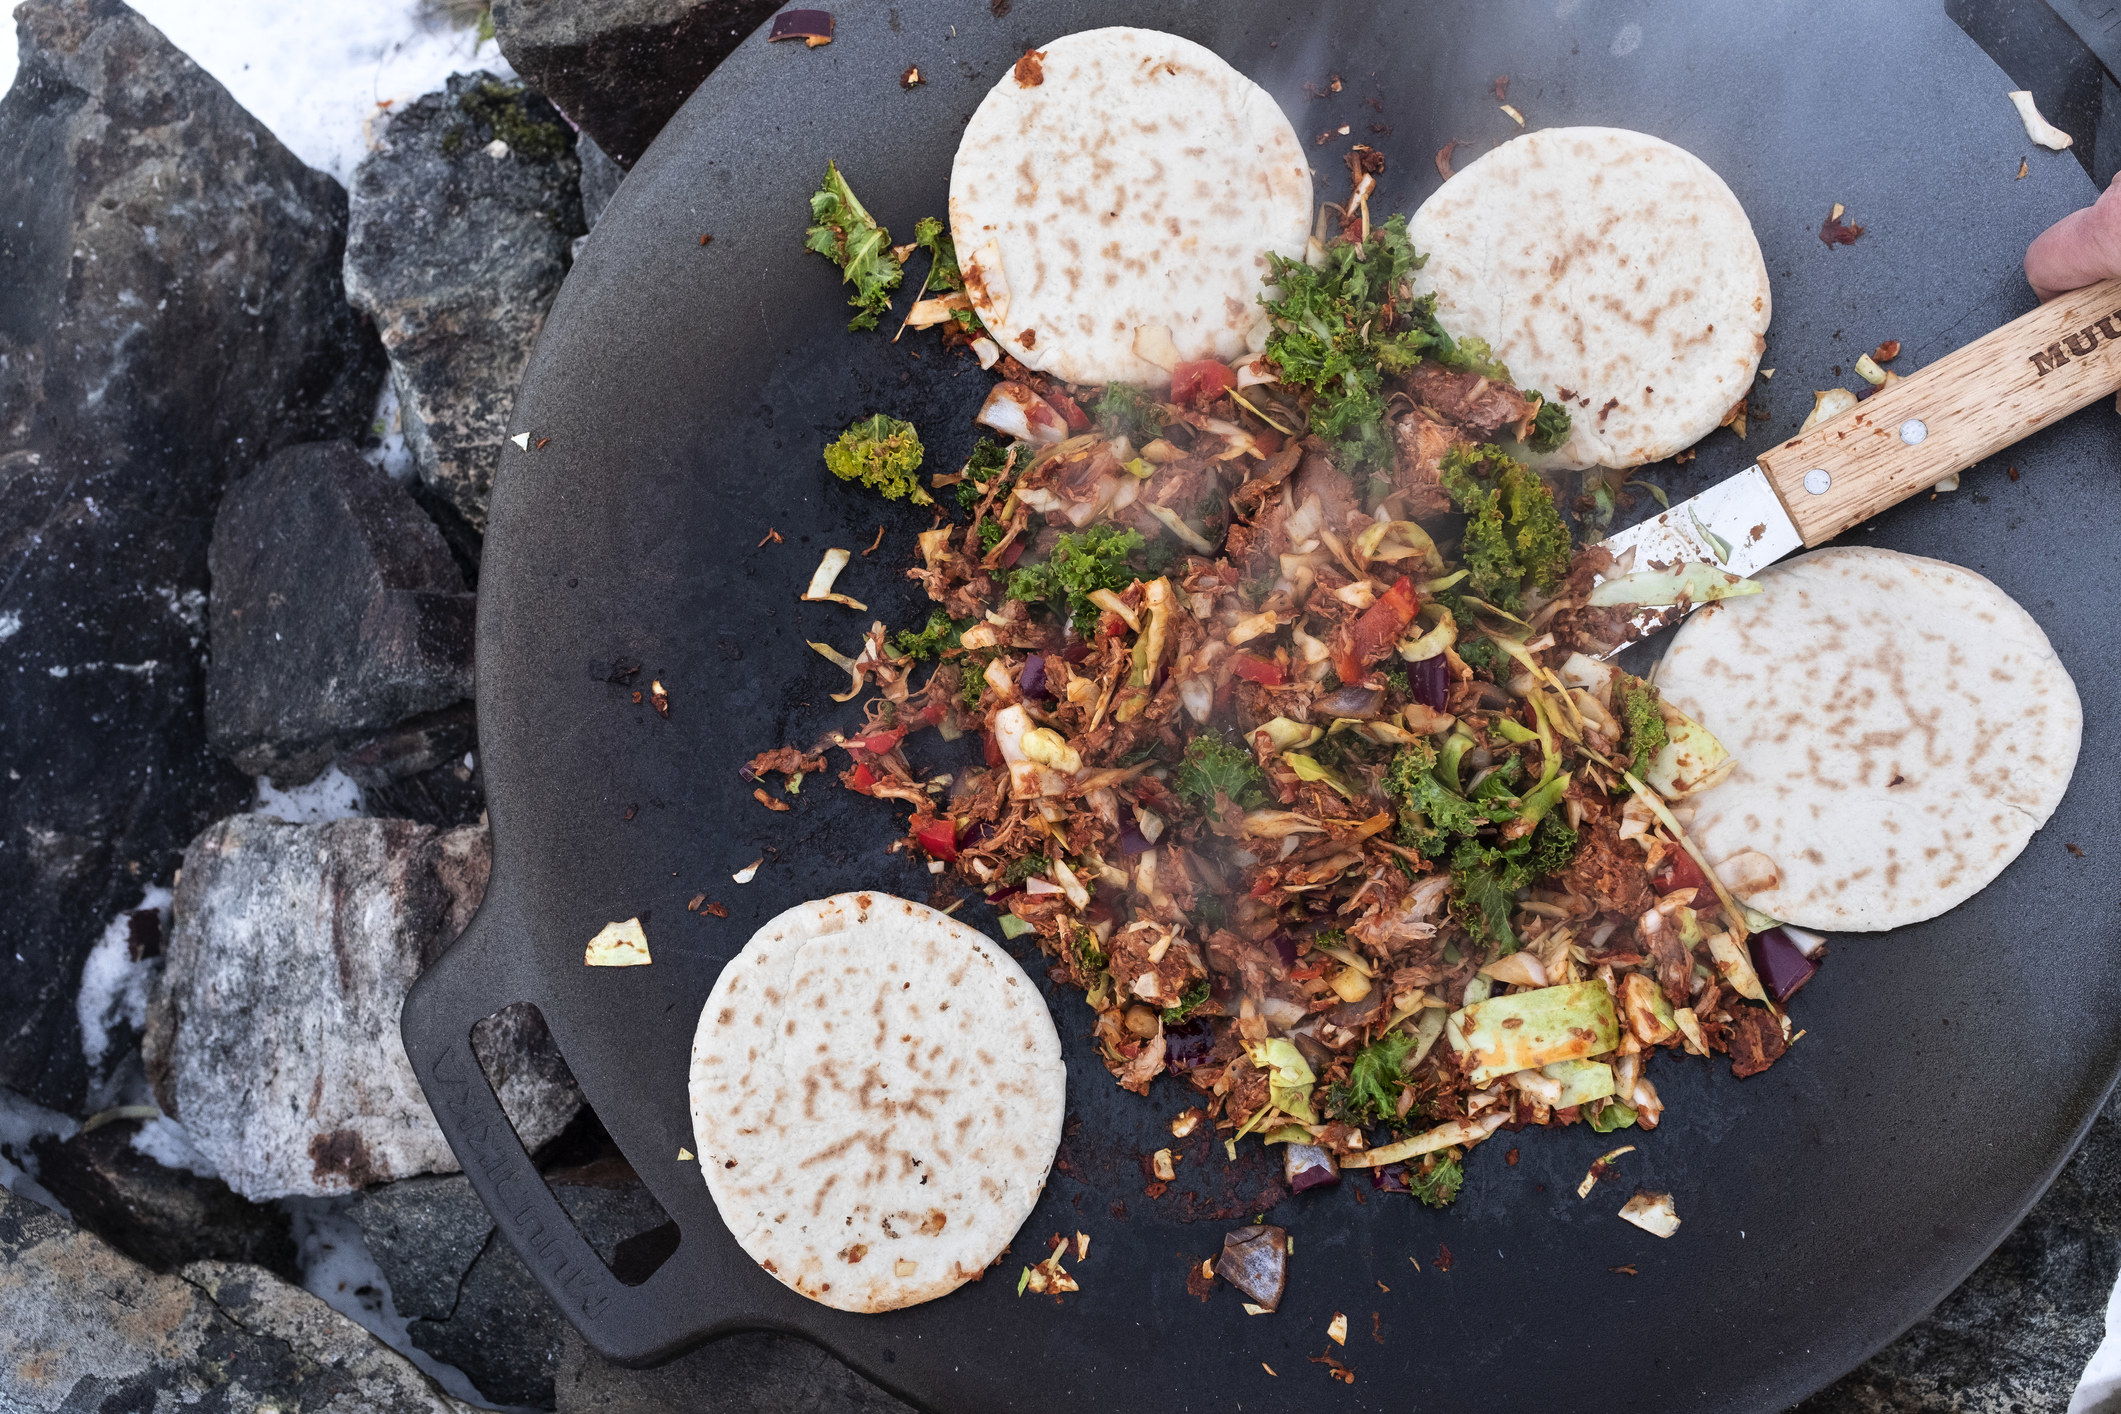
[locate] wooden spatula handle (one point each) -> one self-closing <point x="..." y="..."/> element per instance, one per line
<point x="1969" y="404"/>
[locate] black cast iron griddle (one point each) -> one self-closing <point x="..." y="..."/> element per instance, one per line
<point x="1946" y="1070"/>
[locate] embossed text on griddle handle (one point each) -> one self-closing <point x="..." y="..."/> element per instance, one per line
<point x="1971" y="404"/>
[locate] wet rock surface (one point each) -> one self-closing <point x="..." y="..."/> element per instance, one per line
<point x="336" y="612"/>
<point x="89" y="1328"/>
<point x="162" y="1217"/>
<point x="620" y="68"/>
<point x="463" y="223"/>
<point x="171" y="311"/>
<point x="2016" y="1335"/>
<point x="473" y="1302"/>
<point x="272" y="1035"/>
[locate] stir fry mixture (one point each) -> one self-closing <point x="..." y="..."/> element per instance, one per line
<point x="1301" y="759"/>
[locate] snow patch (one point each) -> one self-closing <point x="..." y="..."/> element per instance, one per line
<point x="114" y="987"/>
<point x="164" y="1140"/>
<point x="337" y="1269"/>
<point x="331" y="796"/>
<point x="22" y="1122"/>
<point x="390" y="452"/>
<point x="320" y="77"/>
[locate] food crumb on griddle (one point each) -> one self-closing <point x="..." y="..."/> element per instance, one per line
<point x="2075" y="850"/>
<point x="1834" y="232"/>
<point x="1443" y="157"/>
<point x="1502" y="88"/>
<point x="1627" y="1271"/>
<point x="694" y="905"/>
<point x="1443" y="1258"/>
<point x="912" y="77"/>
<point x="769" y="802"/>
<point x="629" y="812"/>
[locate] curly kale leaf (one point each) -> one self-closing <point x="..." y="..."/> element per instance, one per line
<point x="1213" y="766"/>
<point x="1024" y="868"/>
<point x="1514" y="533"/>
<point x="1550" y="427"/>
<point x="989" y="459"/>
<point x="1337" y="332"/>
<point x="1642" y="719"/>
<point x="1439" y="1185"/>
<point x="1431" y="815"/>
<point x="843" y="231"/>
<point x="1370" y="1095"/>
<point x="882" y="453"/>
<point x="1193" y="997"/>
<point x="933" y="236"/>
<point x="1082" y="562"/>
<point x="1124" y="410"/>
<point x="1485" y="878"/>
<point x="939" y="637"/>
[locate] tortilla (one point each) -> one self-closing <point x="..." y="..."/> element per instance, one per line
<point x="1610" y="270"/>
<point x="877" y="1093"/>
<point x="1122" y="179"/>
<point x="1901" y="726"/>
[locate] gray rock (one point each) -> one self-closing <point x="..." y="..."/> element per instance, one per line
<point x="472" y="1302"/>
<point x="620" y="68"/>
<point x="89" y="1328"/>
<point x="463" y="221"/>
<point x="171" y="311"/>
<point x="336" y="613"/>
<point x="2016" y="1335"/>
<point x="272" y="1034"/>
<point x="160" y="1216"/>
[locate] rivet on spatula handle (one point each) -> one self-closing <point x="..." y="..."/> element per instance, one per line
<point x="1970" y="404"/>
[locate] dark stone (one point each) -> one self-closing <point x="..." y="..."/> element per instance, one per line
<point x="758" y="1372"/>
<point x="417" y="770"/>
<point x="171" y="312"/>
<point x="424" y="1234"/>
<point x="620" y="68"/>
<point x="161" y="1216"/>
<point x="2015" y="1337"/>
<point x="337" y="613"/>
<point x="600" y="178"/>
<point x="463" y="223"/>
<point x="87" y="1328"/>
<point x="472" y="1302"/>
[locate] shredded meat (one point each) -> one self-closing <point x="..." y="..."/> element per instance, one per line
<point x="1609" y="870"/>
<point x="1755" y="1040"/>
<point x="1480" y="406"/>
<point x="1417" y="470"/>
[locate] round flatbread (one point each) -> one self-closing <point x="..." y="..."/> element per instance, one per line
<point x="1119" y="179"/>
<point x="1901" y="728"/>
<point x="877" y="1093"/>
<point x="1610" y="270"/>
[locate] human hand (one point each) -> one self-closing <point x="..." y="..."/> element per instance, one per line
<point x="2081" y="249"/>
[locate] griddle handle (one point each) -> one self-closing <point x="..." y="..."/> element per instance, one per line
<point x="626" y="1324"/>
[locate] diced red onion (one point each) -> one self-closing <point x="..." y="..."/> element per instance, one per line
<point x="1430" y="681"/>
<point x="1011" y="555"/>
<point x="1782" y="966"/>
<point x="1358" y="702"/>
<point x="1032" y="680"/>
<point x="1189" y="1045"/>
<point x="1390" y="1178"/>
<point x="1306" y="1166"/>
<point x="1286" y="946"/>
<point x="1131" y="842"/>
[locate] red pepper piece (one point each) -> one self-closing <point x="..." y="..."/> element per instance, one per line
<point x="939" y="838"/>
<point x="1259" y="670"/>
<point x="1201" y="382"/>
